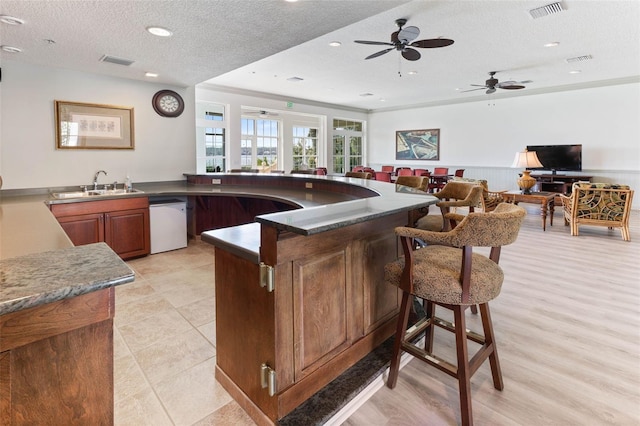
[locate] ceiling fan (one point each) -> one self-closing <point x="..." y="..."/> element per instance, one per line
<point x="261" y="113"/>
<point x="492" y="84"/>
<point x="402" y="41"/>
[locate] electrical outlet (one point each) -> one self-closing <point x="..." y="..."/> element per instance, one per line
<point x="216" y="181"/>
<point x="308" y="185"/>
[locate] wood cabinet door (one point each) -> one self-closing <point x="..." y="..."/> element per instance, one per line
<point x="83" y="229"/>
<point x="127" y="232"/>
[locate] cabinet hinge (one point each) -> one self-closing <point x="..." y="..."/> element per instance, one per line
<point x="268" y="378"/>
<point x="267" y="277"/>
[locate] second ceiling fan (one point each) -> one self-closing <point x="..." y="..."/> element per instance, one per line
<point x="402" y="41"/>
<point x="492" y="84"/>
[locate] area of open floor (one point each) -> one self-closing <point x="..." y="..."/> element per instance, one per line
<point x="567" y="324"/>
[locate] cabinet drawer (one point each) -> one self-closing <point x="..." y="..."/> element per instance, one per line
<point x="99" y="206"/>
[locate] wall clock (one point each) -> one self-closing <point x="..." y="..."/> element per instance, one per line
<point x="168" y="103"/>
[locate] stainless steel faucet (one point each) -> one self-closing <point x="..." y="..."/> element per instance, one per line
<point x="95" y="179"/>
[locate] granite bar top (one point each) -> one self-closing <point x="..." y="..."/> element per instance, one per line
<point x="242" y="240"/>
<point x="45" y="277"/>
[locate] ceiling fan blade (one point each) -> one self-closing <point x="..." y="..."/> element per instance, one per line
<point x="511" y="86"/>
<point x="472" y="90"/>
<point x="380" y="53"/>
<point x="410" y="54"/>
<point x="479" y="85"/>
<point x="491" y="90"/>
<point x="432" y="42"/>
<point x="377" y="43"/>
<point x="408" y="34"/>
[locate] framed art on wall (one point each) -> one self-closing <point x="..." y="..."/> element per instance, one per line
<point x="93" y="126"/>
<point x="418" y="144"/>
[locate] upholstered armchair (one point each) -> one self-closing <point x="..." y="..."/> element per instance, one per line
<point x="454" y="194"/>
<point x="419" y="182"/>
<point x="598" y="204"/>
<point x="359" y="175"/>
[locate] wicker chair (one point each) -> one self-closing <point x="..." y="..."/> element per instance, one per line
<point x="454" y="194"/>
<point x="598" y="204"/>
<point x="447" y="273"/>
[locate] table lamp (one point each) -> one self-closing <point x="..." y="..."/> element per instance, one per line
<point x="526" y="159"/>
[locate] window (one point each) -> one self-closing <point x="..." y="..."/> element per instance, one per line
<point x="214" y="144"/>
<point x="259" y="144"/>
<point x="211" y="138"/>
<point x="347" y="145"/>
<point x="305" y="148"/>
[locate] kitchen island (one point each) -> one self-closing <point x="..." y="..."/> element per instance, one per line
<point x="300" y="294"/>
<point x="56" y="321"/>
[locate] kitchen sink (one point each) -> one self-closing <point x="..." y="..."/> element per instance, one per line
<point x="94" y="193"/>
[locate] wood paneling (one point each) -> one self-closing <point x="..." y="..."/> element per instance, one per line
<point x="56" y="364"/>
<point x="321" y="309"/>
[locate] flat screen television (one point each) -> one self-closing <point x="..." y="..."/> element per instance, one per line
<point x="558" y="157"/>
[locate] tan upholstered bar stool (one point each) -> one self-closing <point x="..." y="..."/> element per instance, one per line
<point x="447" y="273"/>
<point x="454" y="194"/>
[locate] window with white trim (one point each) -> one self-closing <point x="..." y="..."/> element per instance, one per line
<point x="305" y="147"/>
<point x="259" y="144"/>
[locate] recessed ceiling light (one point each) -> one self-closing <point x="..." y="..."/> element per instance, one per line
<point x="552" y="44"/>
<point x="160" y="32"/>
<point x="11" y="20"/>
<point x="383" y="100"/>
<point x="150" y="74"/>
<point x="413" y="72"/>
<point x="11" y="49"/>
<point x="575" y="72"/>
<point x="291" y="1"/>
<point x="335" y="44"/>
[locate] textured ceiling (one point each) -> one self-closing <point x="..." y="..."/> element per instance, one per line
<point x="258" y="45"/>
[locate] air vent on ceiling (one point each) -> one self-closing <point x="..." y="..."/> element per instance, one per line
<point x="118" y="61"/>
<point x="364" y="95"/>
<point x="549" y="9"/>
<point x="295" y="79"/>
<point x="579" y="59"/>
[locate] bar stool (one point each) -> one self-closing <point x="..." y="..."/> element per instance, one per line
<point x="447" y="273"/>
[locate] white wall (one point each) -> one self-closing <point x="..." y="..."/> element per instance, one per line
<point x="164" y="147"/>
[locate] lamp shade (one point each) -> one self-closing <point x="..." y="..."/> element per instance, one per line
<point x="526" y="159"/>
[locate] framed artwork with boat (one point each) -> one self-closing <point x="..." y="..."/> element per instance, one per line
<point x="418" y="144"/>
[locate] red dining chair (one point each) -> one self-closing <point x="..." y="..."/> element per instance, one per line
<point x="383" y="176"/>
<point x="441" y="171"/>
<point x="405" y="172"/>
<point x="421" y="172"/>
<point x="357" y="168"/>
<point x="322" y="171"/>
<point x="459" y="173"/>
<point x="369" y="170"/>
<point x="388" y="169"/>
<point x="398" y="169"/>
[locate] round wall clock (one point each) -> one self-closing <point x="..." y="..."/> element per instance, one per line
<point x="168" y="103"/>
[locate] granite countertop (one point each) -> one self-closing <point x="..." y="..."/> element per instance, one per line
<point x="38" y="263"/>
<point x="45" y="277"/>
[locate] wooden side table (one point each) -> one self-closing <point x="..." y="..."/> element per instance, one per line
<point x="545" y="199"/>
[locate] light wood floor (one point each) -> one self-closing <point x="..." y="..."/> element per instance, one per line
<point x="567" y="325"/>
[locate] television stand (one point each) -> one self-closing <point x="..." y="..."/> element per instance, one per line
<point x="561" y="184"/>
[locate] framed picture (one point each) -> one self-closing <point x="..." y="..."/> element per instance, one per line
<point x="93" y="126"/>
<point x="418" y="144"/>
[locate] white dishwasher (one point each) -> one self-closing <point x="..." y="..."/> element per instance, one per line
<point x="168" y="222"/>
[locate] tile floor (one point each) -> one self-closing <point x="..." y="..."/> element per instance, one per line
<point x="165" y="344"/>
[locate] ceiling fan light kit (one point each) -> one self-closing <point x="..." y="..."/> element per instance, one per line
<point x="403" y="41"/>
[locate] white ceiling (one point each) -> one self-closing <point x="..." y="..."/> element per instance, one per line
<point x="257" y="45"/>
